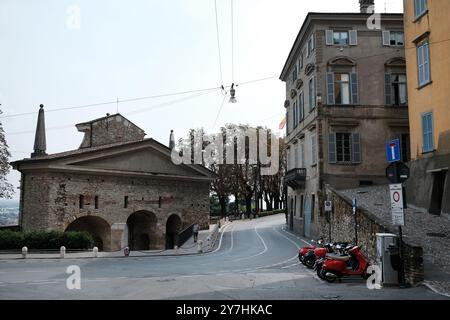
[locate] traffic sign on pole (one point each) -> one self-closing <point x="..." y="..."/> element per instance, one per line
<point x="397" y="209"/>
<point x="393" y="151"/>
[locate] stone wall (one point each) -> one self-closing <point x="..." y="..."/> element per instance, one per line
<point x="343" y="229"/>
<point x="52" y="202"/>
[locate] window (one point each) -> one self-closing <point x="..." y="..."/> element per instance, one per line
<point x="423" y="62"/>
<point x="302" y="155"/>
<point x="294" y="110"/>
<point x="301" y="106"/>
<point x="96" y="202"/>
<point x="397" y="38"/>
<point x="342" y="88"/>
<point x="301" y="205"/>
<point x="313" y="150"/>
<point x="427" y="131"/>
<point x="310" y="46"/>
<point x="344" y="148"/>
<point x="125" y="202"/>
<point x="294" y="73"/>
<point x="399" y="89"/>
<point x="312" y="94"/>
<point x="81" y="201"/>
<point x="420" y="7"/>
<point x="301" y="60"/>
<point x="340" y="38"/>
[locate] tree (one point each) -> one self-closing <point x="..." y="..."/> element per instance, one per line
<point x="6" y="189"/>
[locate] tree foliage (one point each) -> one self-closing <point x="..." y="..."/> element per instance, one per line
<point x="6" y="189"/>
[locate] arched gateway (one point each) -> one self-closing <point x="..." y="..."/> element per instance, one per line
<point x="97" y="227"/>
<point x="142" y="230"/>
<point x="173" y="228"/>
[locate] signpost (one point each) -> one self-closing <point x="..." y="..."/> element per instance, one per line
<point x="397" y="173"/>
<point x="356" y="220"/>
<point x="328" y="209"/>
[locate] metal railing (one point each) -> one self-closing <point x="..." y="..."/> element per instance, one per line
<point x="185" y="235"/>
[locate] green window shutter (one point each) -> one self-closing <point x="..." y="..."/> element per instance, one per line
<point x="332" y="148"/>
<point x="388" y="89"/>
<point x="356" y="148"/>
<point x="330" y="88"/>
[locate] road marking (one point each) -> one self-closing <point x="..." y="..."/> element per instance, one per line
<point x="221" y="236"/>
<point x="307" y="243"/>
<point x="35" y="271"/>
<point x="37" y="283"/>
<point x="258" y="254"/>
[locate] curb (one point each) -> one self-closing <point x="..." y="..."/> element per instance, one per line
<point x="435" y="290"/>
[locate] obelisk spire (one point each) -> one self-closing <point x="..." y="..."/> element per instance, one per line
<point x="40" y="143"/>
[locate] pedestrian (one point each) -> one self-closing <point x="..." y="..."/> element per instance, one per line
<point x="195" y="231"/>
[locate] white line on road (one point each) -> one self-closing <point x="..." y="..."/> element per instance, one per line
<point x="37" y="283"/>
<point x="221" y="236"/>
<point x="258" y="254"/>
<point x="35" y="271"/>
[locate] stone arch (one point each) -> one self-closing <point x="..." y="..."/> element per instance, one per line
<point x="142" y="230"/>
<point x="97" y="227"/>
<point x="174" y="226"/>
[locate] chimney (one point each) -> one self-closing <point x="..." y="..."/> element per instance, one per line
<point x="365" y="4"/>
<point x="171" y="140"/>
<point x="40" y="144"/>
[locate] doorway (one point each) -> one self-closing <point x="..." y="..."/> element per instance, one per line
<point x="437" y="194"/>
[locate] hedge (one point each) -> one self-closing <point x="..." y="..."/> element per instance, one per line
<point x="45" y="240"/>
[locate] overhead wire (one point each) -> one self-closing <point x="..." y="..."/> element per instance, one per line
<point x="218" y="43"/>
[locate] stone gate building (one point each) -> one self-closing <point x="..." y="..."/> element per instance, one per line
<point x="120" y="187"/>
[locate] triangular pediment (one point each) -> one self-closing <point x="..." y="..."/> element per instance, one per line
<point x="147" y="161"/>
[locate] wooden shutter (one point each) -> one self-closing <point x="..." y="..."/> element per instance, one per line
<point x="386" y="38"/>
<point x="330" y="88"/>
<point x="329" y="37"/>
<point x="354" y="88"/>
<point x="332" y="148"/>
<point x="353" y="37"/>
<point x="388" y="89"/>
<point x="356" y="148"/>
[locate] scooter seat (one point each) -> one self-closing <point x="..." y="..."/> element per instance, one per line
<point x="340" y="258"/>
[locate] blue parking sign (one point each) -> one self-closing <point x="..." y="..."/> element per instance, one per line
<point x="393" y="151"/>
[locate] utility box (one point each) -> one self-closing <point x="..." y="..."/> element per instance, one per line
<point x="388" y="257"/>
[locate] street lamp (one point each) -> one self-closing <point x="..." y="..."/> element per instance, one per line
<point x="233" y="94"/>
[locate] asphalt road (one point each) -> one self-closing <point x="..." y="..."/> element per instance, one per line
<point x="256" y="260"/>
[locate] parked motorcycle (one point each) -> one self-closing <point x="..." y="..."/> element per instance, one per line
<point x="303" y="251"/>
<point x="341" y="250"/>
<point x="336" y="267"/>
<point x="310" y="258"/>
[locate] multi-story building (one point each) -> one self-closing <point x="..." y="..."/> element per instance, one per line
<point x="427" y="34"/>
<point x="346" y="96"/>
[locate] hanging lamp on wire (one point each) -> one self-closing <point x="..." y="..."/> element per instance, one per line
<point x="232" y="94"/>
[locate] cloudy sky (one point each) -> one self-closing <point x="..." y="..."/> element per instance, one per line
<point x="75" y="53"/>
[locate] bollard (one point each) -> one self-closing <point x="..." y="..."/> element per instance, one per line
<point x="243" y="217"/>
<point x="63" y="252"/>
<point x="199" y="247"/>
<point x="95" y="251"/>
<point x="126" y="251"/>
<point x="176" y="249"/>
<point x="24" y="252"/>
<point x="209" y="241"/>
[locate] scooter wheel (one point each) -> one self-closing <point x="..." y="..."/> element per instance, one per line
<point x="330" y="279"/>
<point x="309" y="263"/>
<point x="320" y="274"/>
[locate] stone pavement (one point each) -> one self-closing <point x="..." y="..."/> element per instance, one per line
<point x="430" y="232"/>
<point x="189" y="248"/>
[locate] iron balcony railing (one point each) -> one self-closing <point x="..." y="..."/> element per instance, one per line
<point x="296" y="178"/>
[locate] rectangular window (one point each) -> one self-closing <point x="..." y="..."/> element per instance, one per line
<point x="342" y="88"/>
<point x="340" y="38"/>
<point x="81" y="201"/>
<point x="302" y="156"/>
<point x="294" y="109"/>
<point x="294" y="73"/>
<point x="420" y="7"/>
<point x="301" y="205"/>
<point x="343" y="147"/>
<point x="427" y="131"/>
<point x="423" y="62"/>
<point x="301" y="60"/>
<point x="301" y="106"/>
<point x="312" y="94"/>
<point x="397" y="38"/>
<point x="310" y="46"/>
<point x="313" y="150"/>
<point x="125" y="202"/>
<point x="399" y="90"/>
<point x="96" y="202"/>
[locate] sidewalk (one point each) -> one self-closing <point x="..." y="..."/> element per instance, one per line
<point x="189" y="248"/>
<point x="428" y="231"/>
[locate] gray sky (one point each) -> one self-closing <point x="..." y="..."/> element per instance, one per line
<point x="129" y="49"/>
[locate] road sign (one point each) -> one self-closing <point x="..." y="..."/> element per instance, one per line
<point x="397" y="210"/>
<point x="397" y="172"/>
<point x="328" y="206"/>
<point x="393" y="151"/>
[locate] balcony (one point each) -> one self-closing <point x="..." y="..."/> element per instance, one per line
<point x="296" y="178"/>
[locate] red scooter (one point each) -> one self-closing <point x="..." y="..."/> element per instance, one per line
<point x="355" y="264"/>
<point x="310" y="258"/>
<point x="303" y="251"/>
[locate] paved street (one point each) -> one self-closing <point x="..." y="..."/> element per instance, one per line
<point x="256" y="260"/>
